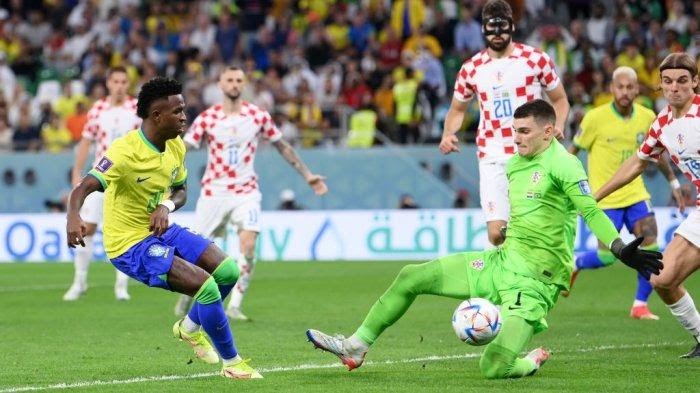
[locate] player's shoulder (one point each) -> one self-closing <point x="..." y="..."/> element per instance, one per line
<point x="126" y="144"/>
<point x="213" y="112"/>
<point x="248" y="108"/>
<point x="478" y="59"/>
<point x="527" y="52"/>
<point x="599" y="111"/>
<point x="644" y="111"/>
<point x="131" y="103"/>
<point x="99" y="106"/>
<point x="177" y="145"/>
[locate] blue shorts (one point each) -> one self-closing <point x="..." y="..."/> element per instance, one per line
<point x="629" y="215"/>
<point x="150" y="260"/>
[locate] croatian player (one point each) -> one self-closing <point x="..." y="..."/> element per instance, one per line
<point x="502" y="77"/>
<point x="676" y="130"/>
<point x="230" y="192"/>
<point x="548" y="186"/>
<point x="143" y="176"/>
<point x="108" y="119"/>
<point x="611" y="133"/>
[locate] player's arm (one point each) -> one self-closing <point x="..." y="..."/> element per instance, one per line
<point x="160" y="221"/>
<point x="575" y="185"/>
<point x="665" y="168"/>
<point x="630" y="169"/>
<point x="573" y="149"/>
<point x="290" y="155"/>
<point x="75" y="227"/>
<point x="557" y="96"/>
<point x="453" y="122"/>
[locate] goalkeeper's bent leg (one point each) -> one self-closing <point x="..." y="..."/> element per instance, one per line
<point x="446" y="276"/>
<point x="500" y="359"/>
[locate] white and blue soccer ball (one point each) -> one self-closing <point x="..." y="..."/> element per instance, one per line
<point x="476" y="321"/>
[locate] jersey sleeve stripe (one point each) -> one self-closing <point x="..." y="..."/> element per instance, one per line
<point x="99" y="177"/>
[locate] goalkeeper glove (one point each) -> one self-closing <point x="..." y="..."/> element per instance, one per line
<point x="644" y="261"/>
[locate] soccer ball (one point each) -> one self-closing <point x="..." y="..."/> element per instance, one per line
<point x="476" y="321"/>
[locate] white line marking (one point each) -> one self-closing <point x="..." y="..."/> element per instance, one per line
<point x="312" y="366"/>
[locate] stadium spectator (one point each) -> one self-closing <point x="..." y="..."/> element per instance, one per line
<point x="27" y="136"/>
<point x="76" y="122"/>
<point x="55" y="136"/>
<point x="468" y="39"/>
<point x="6" y="134"/>
<point x="288" y="201"/>
<point x="406" y="201"/>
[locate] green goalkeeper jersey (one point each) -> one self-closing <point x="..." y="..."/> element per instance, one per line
<point x="545" y="192"/>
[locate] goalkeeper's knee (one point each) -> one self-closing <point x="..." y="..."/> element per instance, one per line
<point x="416" y="278"/>
<point x="227" y="272"/>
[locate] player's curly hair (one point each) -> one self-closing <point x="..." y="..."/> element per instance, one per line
<point x="541" y="110"/>
<point x="154" y="90"/>
<point x="497" y="9"/>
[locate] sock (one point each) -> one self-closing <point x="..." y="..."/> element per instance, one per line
<point x="83" y="256"/>
<point x="500" y="359"/>
<point x="235" y="359"/>
<point x="121" y="282"/>
<point x="215" y="324"/>
<point x="644" y="288"/>
<point x="246" y="266"/>
<point x="638" y="303"/>
<point x="188" y="325"/>
<point x="226" y="275"/>
<point x="589" y="260"/>
<point x="685" y="312"/>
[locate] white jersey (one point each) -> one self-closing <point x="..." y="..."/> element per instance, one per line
<point x="106" y="122"/>
<point x="502" y="85"/>
<point x="681" y="137"/>
<point x="232" y="142"/>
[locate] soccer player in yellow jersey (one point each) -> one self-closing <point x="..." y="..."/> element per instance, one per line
<point x="143" y="177"/>
<point x="611" y="133"/>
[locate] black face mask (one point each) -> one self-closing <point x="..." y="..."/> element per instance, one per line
<point x="495" y="27"/>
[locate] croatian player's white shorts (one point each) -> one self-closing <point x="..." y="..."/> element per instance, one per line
<point x="690" y="228"/>
<point x="91" y="212"/>
<point x="493" y="190"/>
<point x="214" y="213"/>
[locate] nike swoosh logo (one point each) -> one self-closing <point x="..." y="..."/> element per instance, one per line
<point x="139" y="180"/>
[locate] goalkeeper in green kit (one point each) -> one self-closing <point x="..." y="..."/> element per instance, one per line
<point x="547" y="188"/>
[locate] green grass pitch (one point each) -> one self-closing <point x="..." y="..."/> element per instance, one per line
<point x="99" y="344"/>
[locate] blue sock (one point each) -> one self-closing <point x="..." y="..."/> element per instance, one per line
<point x="194" y="311"/>
<point x="588" y="260"/>
<point x="644" y="289"/>
<point x="215" y="324"/>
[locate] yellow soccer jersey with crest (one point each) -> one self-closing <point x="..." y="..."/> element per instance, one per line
<point x="611" y="139"/>
<point x="135" y="177"/>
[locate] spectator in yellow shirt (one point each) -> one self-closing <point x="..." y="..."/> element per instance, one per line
<point x="55" y="135"/>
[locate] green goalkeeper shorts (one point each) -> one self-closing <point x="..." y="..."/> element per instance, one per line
<point x="489" y="278"/>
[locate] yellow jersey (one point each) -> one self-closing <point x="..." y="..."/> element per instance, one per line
<point x="136" y="176"/>
<point x="611" y="139"/>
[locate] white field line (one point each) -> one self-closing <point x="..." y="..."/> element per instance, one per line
<point x="310" y="366"/>
<point x="46" y="287"/>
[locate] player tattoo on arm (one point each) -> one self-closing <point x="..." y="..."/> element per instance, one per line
<point x="291" y="156"/>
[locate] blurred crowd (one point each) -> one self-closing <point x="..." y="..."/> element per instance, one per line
<point x="332" y="72"/>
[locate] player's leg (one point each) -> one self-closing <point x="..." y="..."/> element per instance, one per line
<point x="211" y="214"/>
<point x="209" y="313"/>
<point x="91" y="213"/>
<point x="525" y="303"/>
<point x="246" y="218"/>
<point x="602" y="257"/>
<point x="681" y="259"/>
<point x="493" y="192"/>
<point x="640" y="220"/>
<point x="446" y="276"/>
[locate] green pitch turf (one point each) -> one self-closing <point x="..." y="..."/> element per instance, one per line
<point x="99" y="344"/>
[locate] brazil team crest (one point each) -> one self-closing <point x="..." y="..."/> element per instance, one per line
<point x="157" y="250"/>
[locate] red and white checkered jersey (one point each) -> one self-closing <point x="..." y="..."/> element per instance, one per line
<point x="232" y="142"/>
<point x="681" y="137"/>
<point x="501" y="85"/>
<point x="106" y="122"/>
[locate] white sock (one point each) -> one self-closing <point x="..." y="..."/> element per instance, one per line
<point x="121" y="283"/>
<point x="83" y="256"/>
<point x="638" y="303"/>
<point x="188" y="325"/>
<point x="246" y="267"/>
<point x="357" y="343"/>
<point x="236" y="359"/>
<point x="685" y="312"/>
